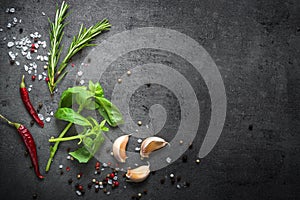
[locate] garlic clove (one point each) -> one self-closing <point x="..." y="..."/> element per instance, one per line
<point x="151" y="144"/>
<point x="138" y="174"/>
<point x="119" y="148"/>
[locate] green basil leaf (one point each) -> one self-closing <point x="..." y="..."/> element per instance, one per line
<point x="67" y="114"/>
<point x="91" y="86"/>
<point x="96" y="89"/>
<point x="109" y="112"/>
<point x="67" y="95"/>
<point x="82" y="98"/>
<point x="90" y="104"/>
<point x="93" y="144"/>
<point x="91" y="119"/>
<point x="103" y="127"/>
<point x="81" y="154"/>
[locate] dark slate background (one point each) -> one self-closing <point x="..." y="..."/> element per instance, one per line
<point x="255" y="45"/>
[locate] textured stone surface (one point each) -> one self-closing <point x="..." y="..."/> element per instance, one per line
<point x="256" y="46"/>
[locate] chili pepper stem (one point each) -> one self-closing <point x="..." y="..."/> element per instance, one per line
<point x="22" y="85"/>
<point x="9" y="122"/>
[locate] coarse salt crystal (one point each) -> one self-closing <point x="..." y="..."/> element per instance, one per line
<point x="29" y="71"/>
<point x="137" y="149"/>
<point x="29" y="89"/>
<point x="48" y="119"/>
<point x="78" y="193"/>
<point x="12" y="10"/>
<point x="11" y="55"/>
<point x="17" y="63"/>
<point x="26" y="68"/>
<point x="139" y="140"/>
<point x="80" y="73"/>
<point x="8" y="25"/>
<point x="81" y="82"/>
<point x="43" y="14"/>
<point x="45" y="58"/>
<point x="40" y="77"/>
<point x="168" y="159"/>
<point x="61" y="166"/>
<point x="41" y="117"/>
<point x="1" y="29"/>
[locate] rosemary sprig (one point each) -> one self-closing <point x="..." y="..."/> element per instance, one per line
<point x="81" y="40"/>
<point x="56" y="35"/>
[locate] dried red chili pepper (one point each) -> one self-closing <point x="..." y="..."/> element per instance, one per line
<point x="29" y="143"/>
<point x="27" y="103"/>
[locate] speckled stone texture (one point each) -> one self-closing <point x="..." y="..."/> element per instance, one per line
<point x="256" y="46"/>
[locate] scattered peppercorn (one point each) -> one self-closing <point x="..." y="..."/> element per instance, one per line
<point x="34" y="196"/>
<point x="80" y="187"/>
<point x="40" y="105"/>
<point x="12" y="62"/>
<point x="96" y="190"/>
<point x="70" y="181"/>
<point x="178" y="178"/>
<point x="172" y="181"/>
<point x="31" y="122"/>
<point x="61" y="172"/>
<point x="184" y="158"/>
<point x="250" y="127"/>
<point x="35" y="40"/>
<point x="20" y="30"/>
<point x="26" y="153"/>
<point x="145" y="191"/>
<point x="162" y="181"/>
<point x="105" y="190"/>
<point x="191" y="146"/>
<point x="112" y="175"/>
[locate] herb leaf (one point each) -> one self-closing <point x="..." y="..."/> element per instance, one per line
<point x="67" y="95"/>
<point x="67" y="114"/>
<point x="109" y="112"/>
<point x="96" y="88"/>
<point x="82" y="155"/>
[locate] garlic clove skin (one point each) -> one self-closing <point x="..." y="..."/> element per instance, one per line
<point x="151" y="144"/>
<point x="119" y="148"/>
<point x="138" y="174"/>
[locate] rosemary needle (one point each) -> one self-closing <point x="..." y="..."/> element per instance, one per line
<point x="81" y="40"/>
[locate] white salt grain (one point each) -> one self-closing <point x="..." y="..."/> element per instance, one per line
<point x="48" y="119"/>
<point x="41" y="117"/>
